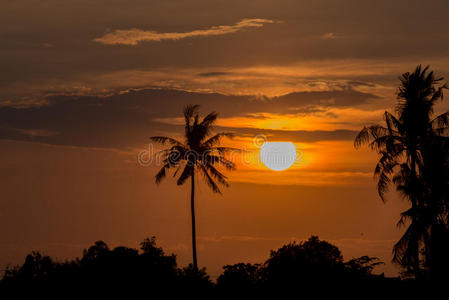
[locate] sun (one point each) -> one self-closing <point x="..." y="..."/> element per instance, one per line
<point x="278" y="156"/>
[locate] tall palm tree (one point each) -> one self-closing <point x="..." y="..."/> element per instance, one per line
<point x="400" y="143"/>
<point x="199" y="153"/>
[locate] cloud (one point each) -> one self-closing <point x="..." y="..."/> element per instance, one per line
<point x="23" y="103"/>
<point x="372" y="76"/>
<point x="303" y="136"/>
<point x="126" y="120"/>
<point x="213" y="74"/>
<point x="330" y="36"/>
<point x="338" y="97"/>
<point x="135" y="36"/>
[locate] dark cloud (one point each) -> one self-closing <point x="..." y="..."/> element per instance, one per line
<point x="128" y="119"/>
<point x="297" y="135"/>
<point x="214" y="74"/>
<point x="345" y="97"/>
<point x="372" y="30"/>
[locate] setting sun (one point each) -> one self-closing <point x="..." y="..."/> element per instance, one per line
<point x="278" y="156"/>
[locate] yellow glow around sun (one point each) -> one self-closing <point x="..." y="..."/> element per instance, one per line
<point x="278" y="156"/>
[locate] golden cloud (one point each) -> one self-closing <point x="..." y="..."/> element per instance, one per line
<point x="135" y="36"/>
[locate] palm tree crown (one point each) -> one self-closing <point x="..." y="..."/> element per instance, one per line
<point x="200" y="151"/>
<point x="400" y="140"/>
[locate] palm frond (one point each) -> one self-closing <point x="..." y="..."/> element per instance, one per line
<point x="189" y="112"/>
<point x="209" y="120"/>
<point x="224" y="150"/>
<point x="220" y="177"/>
<point x="369" y="132"/>
<point x="393" y="124"/>
<point x="390" y="143"/>
<point x="203" y="129"/>
<point x="405" y="250"/>
<point x="176" y="171"/>
<point x="214" y="140"/>
<point x="382" y="185"/>
<point x="186" y="174"/>
<point x="172" y="156"/>
<point x="213" y="159"/>
<point x="210" y="182"/>
<point x="165" y="139"/>
<point x="161" y="174"/>
<point x="362" y="137"/>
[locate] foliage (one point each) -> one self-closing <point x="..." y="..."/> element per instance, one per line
<point x="200" y="151"/>
<point x="413" y="149"/>
<point x="312" y="265"/>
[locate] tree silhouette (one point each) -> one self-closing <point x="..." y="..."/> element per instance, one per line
<point x="306" y="266"/>
<point x="200" y="153"/>
<point x="312" y="266"/>
<point x="310" y="261"/>
<point x="241" y="277"/>
<point x="401" y="144"/>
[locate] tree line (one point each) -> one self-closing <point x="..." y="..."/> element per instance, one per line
<point x="305" y="266"/>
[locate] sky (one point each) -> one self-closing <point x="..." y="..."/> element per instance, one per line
<point x="85" y="83"/>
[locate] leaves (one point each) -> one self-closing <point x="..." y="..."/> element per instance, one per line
<point x="161" y="174"/>
<point x="186" y="174"/>
<point x="164" y="139"/>
<point x="189" y="112"/>
<point x="214" y="140"/>
<point x="201" y="151"/>
<point x="414" y="156"/>
<point x="210" y="182"/>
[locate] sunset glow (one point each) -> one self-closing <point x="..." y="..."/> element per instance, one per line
<point x="85" y="84"/>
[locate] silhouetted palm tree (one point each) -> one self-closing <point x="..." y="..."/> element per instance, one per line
<point x="400" y="143"/>
<point x="199" y="153"/>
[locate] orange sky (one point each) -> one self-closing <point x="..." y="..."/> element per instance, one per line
<point x="85" y="83"/>
<point x="82" y="195"/>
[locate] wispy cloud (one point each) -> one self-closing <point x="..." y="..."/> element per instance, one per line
<point x="330" y="36"/>
<point x="135" y="36"/>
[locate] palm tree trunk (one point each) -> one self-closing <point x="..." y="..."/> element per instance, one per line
<point x="415" y="204"/>
<point x="192" y="211"/>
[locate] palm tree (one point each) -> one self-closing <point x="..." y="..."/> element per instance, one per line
<point x="199" y="153"/>
<point x="400" y="144"/>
